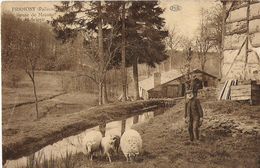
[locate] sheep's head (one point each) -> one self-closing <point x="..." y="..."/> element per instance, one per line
<point x="133" y="156"/>
<point x="88" y="148"/>
<point x="116" y="137"/>
<point x="114" y="142"/>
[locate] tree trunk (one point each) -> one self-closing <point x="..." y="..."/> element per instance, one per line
<point x="100" y="53"/>
<point x="170" y="67"/>
<point x="136" y="119"/>
<point x="224" y="15"/>
<point x="104" y="92"/>
<point x="220" y="66"/>
<point x="36" y="98"/>
<point x="203" y="69"/>
<point x="203" y="66"/>
<point x="115" y="86"/>
<point x="203" y="61"/>
<point x="100" y="87"/>
<point x="102" y="129"/>
<point x="135" y="76"/>
<point x="124" y="78"/>
<point x="123" y="126"/>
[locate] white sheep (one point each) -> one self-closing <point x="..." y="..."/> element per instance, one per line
<point x="108" y="144"/>
<point x="92" y="142"/>
<point x="131" y="144"/>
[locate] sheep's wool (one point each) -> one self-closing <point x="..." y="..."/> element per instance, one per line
<point x="131" y="143"/>
<point x="93" y="140"/>
<point x="106" y="143"/>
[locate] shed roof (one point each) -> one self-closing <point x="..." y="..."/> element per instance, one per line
<point x="148" y="84"/>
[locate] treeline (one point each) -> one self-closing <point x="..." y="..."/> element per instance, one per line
<point x="89" y="38"/>
<point x="28" y="47"/>
<point x="116" y="35"/>
<point x="23" y="41"/>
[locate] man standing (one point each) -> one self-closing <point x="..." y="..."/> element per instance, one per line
<point x="193" y="115"/>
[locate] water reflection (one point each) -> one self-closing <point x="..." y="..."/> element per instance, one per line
<point x="73" y="144"/>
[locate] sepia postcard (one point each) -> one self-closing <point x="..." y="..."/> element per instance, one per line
<point x="130" y="84"/>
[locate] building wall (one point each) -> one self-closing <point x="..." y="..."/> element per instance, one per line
<point x="165" y="91"/>
<point x="203" y="77"/>
<point x="242" y="41"/>
<point x="175" y="88"/>
<point x="144" y="94"/>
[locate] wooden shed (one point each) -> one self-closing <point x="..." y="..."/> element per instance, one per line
<point x="172" y="84"/>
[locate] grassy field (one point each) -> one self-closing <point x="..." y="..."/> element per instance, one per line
<point x="229" y="139"/>
<point x="47" y="85"/>
<point x="229" y="134"/>
<point x="20" y="121"/>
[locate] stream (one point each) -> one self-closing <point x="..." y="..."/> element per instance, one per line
<point x="73" y="144"/>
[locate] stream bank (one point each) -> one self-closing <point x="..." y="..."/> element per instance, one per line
<point x="50" y="130"/>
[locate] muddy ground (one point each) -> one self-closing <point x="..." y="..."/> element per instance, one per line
<point x="229" y="139"/>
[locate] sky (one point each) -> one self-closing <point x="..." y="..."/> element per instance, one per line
<point x="181" y="14"/>
<point x="187" y="18"/>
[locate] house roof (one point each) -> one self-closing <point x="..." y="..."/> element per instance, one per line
<point x="148" y="84"/>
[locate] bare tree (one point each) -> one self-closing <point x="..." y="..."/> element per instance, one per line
<point x="94" y="66"/>
<point x="187" y="46"/>
<point x="32" y="49"/>
<point x="210" y="34"/>
<point x="186" y="67"/>
<point x="173" y="41"/>
<point x="95" y="16"/>
<point x="204" y="41"/>
<point x="216" y="19"/>
<point x="25" y="44"/>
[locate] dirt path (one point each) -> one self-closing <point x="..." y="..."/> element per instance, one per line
<point x="229" y="138"/>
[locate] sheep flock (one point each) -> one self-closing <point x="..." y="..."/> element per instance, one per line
<point x="130" y="144"/>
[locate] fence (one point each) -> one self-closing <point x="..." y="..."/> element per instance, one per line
<point x="73" y="82"/>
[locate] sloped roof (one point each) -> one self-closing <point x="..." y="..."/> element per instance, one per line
<point x="148" y="84"/>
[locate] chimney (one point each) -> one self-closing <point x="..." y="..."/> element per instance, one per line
<point x="157" y="79"/>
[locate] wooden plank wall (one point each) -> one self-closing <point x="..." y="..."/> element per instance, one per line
<point x="246" y="92"/>
<point x="241" y="92"/>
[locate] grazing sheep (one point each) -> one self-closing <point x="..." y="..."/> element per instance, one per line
<point x="92" y="140"/>
<point x="131" y="144"/>
<point x="108" y="145"/>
